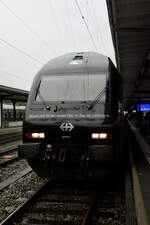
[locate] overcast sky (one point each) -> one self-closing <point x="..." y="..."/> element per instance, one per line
<point x="34" y="31"/>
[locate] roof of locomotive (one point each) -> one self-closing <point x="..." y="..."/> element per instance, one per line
<point x="76" y="63"/>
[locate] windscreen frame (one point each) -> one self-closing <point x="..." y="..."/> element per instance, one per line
<point x="38" y="85"/>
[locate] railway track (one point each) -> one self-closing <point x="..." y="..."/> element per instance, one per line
<point x="14" y="178"/>
<point x="110" y="203"/>
<point x="7" y="158"/>
<point x="9" y="141"/>
<point x="9" y="153"/>
<point x="58" y="205"/>
<point x="9" y="135"/>
<point x="71" y="204"/>
<point x="17" y="189"/>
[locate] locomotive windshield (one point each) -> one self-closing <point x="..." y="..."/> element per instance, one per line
<point x="68" y="88"/>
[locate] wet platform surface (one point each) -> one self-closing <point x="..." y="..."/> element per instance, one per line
<point x="141" y="157"/>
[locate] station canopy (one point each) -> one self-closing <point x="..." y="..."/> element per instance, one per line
<point x="130" y="27"/>
<point x="13" y="94"/>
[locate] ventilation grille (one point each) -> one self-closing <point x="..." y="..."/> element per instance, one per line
<point x="78" y="57"/>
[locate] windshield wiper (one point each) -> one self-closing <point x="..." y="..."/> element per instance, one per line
<point x="47" y="107"/>
<point x="38" y="93"/>
<point x="97" y="98"/>
<point x="43" y="101"/>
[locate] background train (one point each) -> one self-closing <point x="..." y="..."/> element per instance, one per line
<point x="73" y="123"/>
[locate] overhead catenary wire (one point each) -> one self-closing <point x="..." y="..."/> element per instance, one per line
<point x="11" y="53"/>
<point x="55" y="21"/>
<point x="13" y="75"/>
<point x="70" y="24"/>
<point x="26" y="25"/>
<point x="89" y="12"/>
<point x="98" y="26"/>
<point x="21" y="51"/>
<point x="87" y="27"/>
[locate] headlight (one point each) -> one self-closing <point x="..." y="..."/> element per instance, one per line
<point x="38" y="135"/>
<point x="95" y="136"/>
<point x="101" y="135"/>
<point x="35" y="135"/>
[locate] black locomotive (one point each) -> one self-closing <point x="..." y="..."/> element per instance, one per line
<point x="72" y="124"/>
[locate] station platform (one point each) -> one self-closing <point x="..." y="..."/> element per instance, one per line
<point x="141" y="160"/>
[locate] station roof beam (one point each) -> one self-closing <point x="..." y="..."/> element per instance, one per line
<point x="13" y="94"/>
<point x="130" y="27"/>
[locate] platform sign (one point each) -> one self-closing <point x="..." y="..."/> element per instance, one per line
<point x="143" y="107"/>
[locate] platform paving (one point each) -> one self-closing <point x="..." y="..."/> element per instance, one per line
<point x="142" y="163"/>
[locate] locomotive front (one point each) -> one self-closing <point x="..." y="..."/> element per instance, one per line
<point x="70" y="126"/>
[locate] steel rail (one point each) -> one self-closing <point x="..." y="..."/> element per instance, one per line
<point x="5" y="138"/>
<point x="14" y="178"/>
<point x="5" y="161"/>
<point x="89" y="211"/>
<point x="9" y="147"/>
<point x="17" y="214"/>
<point x="21" y="209"/>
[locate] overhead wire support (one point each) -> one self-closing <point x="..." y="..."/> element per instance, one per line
<point x="82" y="16"/>
<point x="26" y="25"/>
<point x="21" y="51"/>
